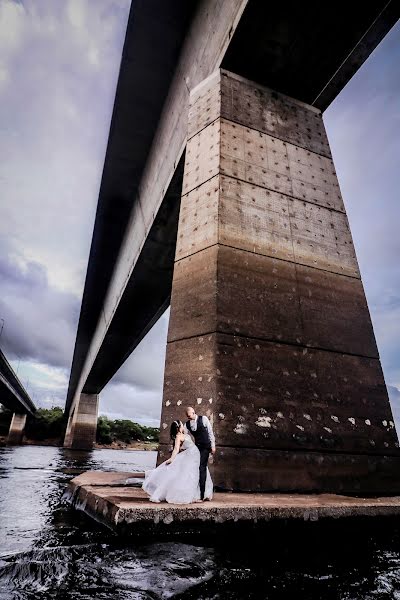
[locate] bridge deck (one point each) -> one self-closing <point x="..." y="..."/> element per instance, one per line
<point x="12" y="393"/>
<point x="116" y="500"/>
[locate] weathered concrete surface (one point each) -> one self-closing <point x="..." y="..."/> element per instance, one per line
<point x="107" y="498"/>
<point x="17" y="428"/>
<point x="82" y="423"/>
<point x="106" y="478"/>
<point x="270" y="333"/>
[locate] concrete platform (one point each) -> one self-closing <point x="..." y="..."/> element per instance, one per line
<point x="117" y="501"/>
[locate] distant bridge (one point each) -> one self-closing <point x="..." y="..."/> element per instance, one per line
<point x="219" y="196"/>
<point x="14" y="397"/>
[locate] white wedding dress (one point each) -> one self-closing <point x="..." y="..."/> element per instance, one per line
<point x="178" y="482"/>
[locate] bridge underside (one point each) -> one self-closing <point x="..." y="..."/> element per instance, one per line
<point x="12" y="393"/>
<point x="14" y="397"/>
<point x="308" y="54"/>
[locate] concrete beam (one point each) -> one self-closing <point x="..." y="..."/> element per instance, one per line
<point x="12" y="393"/>
<point x="205" y="46"/>
<point x="154" y="37"/>
<point x="17" y="428"/>
<point x="308" y="51"/>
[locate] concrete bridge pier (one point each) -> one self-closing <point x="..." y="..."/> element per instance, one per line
<point x="17" y="428"/>
<point x="82" y="423"/>
<point x="270" y="333"/>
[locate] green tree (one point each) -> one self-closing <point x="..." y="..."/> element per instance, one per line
<point x="104" y="430"/>
<point x="124" y="430"/>
<point x="127" y="431"/>
<point x="151" y="434"/>
<point x="45" y="423"/>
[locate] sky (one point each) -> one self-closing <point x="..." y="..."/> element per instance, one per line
<point x="59" y="62"/>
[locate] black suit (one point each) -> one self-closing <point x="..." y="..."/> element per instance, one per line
<point x="202" y="441"/>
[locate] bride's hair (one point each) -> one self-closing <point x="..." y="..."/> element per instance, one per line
<point x="174" y="429"/>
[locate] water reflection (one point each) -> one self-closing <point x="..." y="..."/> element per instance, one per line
<point x="30" y="482"/>
<point x="50" y="551"/>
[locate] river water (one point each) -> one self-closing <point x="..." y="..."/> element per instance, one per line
<point x="49" y="550"/>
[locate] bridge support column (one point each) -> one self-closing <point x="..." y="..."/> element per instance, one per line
<point x="17" y="428"/>
<point x="82" y="423"/>
<point x="270" y="333"/>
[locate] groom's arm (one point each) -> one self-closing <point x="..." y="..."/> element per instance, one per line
<point x="211" y="435"/>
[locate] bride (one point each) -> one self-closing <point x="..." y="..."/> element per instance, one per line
<point x="177" y="479"/>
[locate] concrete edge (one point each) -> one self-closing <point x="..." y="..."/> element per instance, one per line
<point x="199" y="518"/>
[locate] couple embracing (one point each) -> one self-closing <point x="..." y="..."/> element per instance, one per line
<point x="184" y="477"/>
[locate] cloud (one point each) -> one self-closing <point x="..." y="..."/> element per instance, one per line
<point x="77" y="14"/>
<point x="54" y="126"/>
<point x="39" y="320"/>
<point x="39" y="336"/>
<point x="394" y="397"/>
<point x="136" y="389"/>
<point x="11" y="26"/>
<point x="122" y="401"/>
<point x="363" y="126"/>
<point x="4" y="75"/>
<point x="46" y="385"/>
<point x="145" y="367"/>
<point x="386" y="319"/>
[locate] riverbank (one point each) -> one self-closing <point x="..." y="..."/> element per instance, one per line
<point x="116" y="445"/>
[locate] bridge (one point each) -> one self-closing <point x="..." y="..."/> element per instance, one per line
<point x="14" y="397"/>
<point x="219" y="197"/>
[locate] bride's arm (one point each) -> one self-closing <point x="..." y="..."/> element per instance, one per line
<point x="177" y="446"/>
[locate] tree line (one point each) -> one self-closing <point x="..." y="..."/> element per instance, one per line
<point x="49" y="424"/>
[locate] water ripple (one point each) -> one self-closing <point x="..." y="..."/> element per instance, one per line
<point x="49" y="551"/>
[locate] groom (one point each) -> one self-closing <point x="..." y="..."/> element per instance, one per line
<point x="200" y="428"/>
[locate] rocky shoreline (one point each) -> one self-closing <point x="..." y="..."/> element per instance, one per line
<point x="118" y="445"/>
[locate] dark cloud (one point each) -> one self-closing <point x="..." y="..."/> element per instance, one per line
<point x="39" y="320"/>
